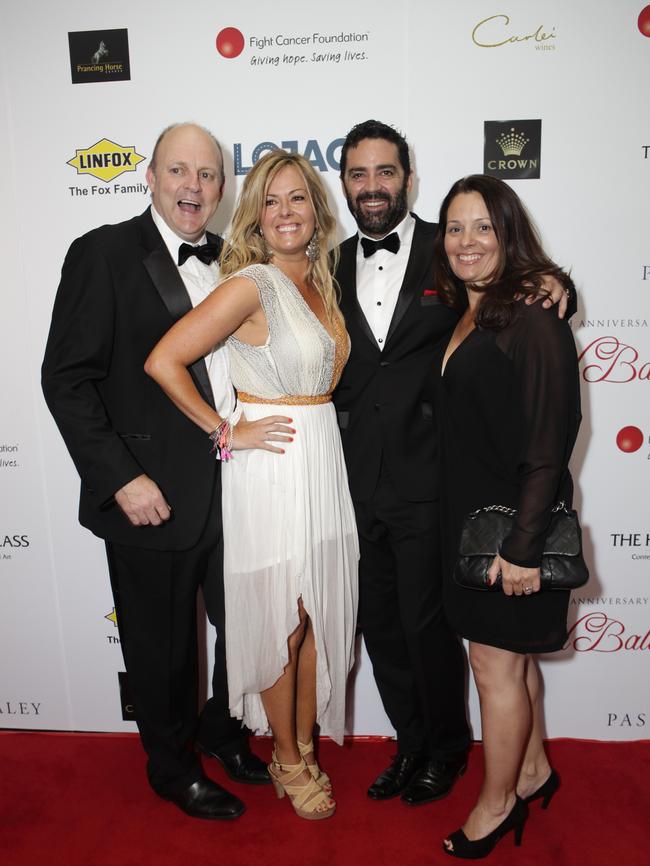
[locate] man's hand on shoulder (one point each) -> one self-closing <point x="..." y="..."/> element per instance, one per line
<point x="556" y="295"/>
<point x="142" y="502"/>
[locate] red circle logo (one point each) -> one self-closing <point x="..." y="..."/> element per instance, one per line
<point x="629" y="439"/>
<point x="230" y="42"/>
<point x="644" y="21"/>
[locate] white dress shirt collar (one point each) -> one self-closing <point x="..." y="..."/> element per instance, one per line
<point x="379" y="279"/>
<point x="172" y="240"/>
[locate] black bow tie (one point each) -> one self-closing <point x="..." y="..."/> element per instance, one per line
<point x="206" y="253"/>
<point x="390" y="243"/>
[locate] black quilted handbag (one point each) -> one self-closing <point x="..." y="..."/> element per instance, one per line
<point x="563" y="565"/>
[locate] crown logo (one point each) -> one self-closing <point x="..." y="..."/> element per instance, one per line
<point x="512" y="143"/>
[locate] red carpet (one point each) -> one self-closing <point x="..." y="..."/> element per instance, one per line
<point x="82" y="800"/>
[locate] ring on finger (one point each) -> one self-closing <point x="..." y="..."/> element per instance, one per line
<point x="528" y="590"/>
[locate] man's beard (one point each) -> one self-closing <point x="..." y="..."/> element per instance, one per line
<point x="380" y="224"/>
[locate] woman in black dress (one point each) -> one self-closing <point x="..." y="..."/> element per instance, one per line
<point x="509" y="411"/>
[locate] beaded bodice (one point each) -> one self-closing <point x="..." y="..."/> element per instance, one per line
<point x="300" y="358"/>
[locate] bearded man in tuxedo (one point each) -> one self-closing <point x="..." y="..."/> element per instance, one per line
<point x="395" y="319"/>
<point x="149" y="486"/>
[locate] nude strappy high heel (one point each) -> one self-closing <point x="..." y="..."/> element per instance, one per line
<point x="321" y="778"/>
<point x="305" y="797"/>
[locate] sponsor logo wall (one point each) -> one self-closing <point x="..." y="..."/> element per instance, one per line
<point x="513" y="149"/>
<point x="473" y="87"/>
<point x="99" y="55"/>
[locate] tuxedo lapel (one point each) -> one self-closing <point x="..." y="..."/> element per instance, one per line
<point x="169" y="285"/>
<point x="415" y="274"/>
<point x="347" y="279"/>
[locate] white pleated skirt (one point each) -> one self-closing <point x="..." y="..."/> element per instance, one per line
<point x="289" y="534"/>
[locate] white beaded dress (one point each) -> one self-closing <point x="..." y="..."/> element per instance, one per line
<point x="289" y="525"/>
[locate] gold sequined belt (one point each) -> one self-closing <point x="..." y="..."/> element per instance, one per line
<point x="287" y="400"/>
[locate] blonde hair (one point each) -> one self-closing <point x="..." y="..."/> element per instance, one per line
<point x="245" y="245"/>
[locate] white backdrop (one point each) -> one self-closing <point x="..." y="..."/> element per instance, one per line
<point x="424" y="66"/>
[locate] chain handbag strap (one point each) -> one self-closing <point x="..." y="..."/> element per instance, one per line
<point x="502" y="509"/>
<point x="510" y="512"/>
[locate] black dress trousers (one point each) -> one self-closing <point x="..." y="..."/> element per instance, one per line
<point x="155" y="594"/>
<point x="418" y="662"/>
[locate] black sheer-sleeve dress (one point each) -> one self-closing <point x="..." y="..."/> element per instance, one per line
<point x="508" y="412"/>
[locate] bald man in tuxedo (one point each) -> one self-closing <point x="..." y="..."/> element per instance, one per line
<point x="149" y="486"/>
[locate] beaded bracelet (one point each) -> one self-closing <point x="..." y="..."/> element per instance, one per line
<point x="222" y="438"/>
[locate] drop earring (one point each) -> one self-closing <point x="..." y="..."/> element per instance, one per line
<point x="313" y="247"/>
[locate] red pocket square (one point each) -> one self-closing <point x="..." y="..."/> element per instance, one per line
<point x="428" y="292"/>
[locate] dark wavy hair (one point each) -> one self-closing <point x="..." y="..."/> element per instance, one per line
<point x="376" y="129"/>
<point x="522" y="260"/>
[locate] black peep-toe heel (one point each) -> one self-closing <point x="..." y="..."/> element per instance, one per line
<point x="468" y="849"/>
<point x="545" y="792"/>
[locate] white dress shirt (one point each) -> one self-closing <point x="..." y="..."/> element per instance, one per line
<point x="380" y="277"/>
<point x="199" y="280"/>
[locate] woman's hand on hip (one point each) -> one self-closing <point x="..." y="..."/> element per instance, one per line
<point x="261" y="433"/>
<point x="515" y="579"/>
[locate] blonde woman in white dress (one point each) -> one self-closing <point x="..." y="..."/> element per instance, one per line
<point x="291" y="548"/>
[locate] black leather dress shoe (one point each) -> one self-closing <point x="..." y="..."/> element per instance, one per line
<point x="206" y="799"/>
<point x="242" y="766"/>
<point x="434" y="780"/>
<point x="395" y="778"/>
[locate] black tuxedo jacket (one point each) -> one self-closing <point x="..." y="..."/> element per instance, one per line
<point x="383" y="400"/>
<point x="120" y="291"/>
